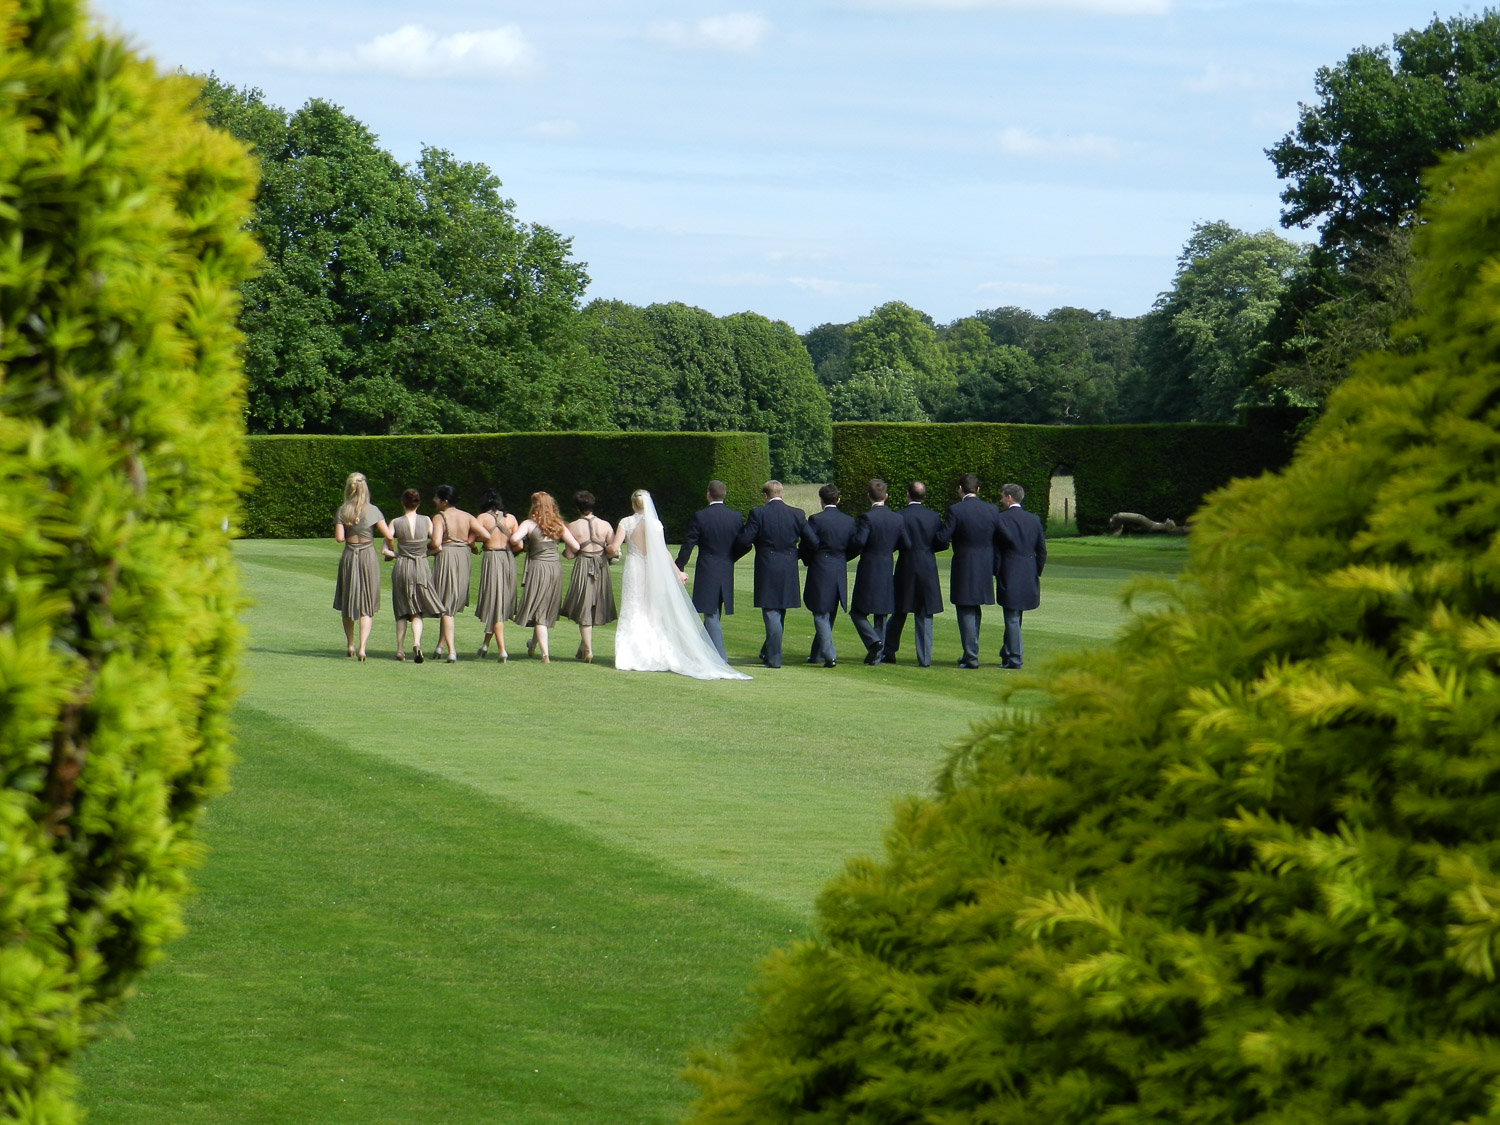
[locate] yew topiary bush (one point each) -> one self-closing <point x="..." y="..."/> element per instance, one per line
<point x="121" y="251"/>
<point x="1246" y="868"/>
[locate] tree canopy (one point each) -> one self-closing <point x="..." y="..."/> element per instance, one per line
<point x="674" y="367"/>
<point x="398" y="299"/>
<point x="1356" y="157"/>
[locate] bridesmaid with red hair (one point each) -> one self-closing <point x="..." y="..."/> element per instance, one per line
<point x="541" y="581"/>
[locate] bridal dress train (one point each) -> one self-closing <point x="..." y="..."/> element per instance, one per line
<point x="659" y="630"/>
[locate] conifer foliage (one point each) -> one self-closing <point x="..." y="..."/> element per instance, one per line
<point x="121" y="251"/>
<point x="1247" y="867"/>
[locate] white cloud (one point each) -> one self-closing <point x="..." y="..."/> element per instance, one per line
<point x="553" y="130"/>
<point x="414" y="51"/>
<point x="737" y="31"/>
<point x="1092" y="7"/>
<point x="826" y="287"/>
<point x="1083" y="146"/>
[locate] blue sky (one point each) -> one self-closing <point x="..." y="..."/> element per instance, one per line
<point x="812" y="160"/>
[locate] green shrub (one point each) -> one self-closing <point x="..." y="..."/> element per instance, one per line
<point x="300" y="479"/>
<point x="121" y="250"/>
<point x="1246" y="866"/>
<point x="1163" y="471"/>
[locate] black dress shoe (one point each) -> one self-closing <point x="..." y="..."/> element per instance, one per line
<point x="830" y="663"/>
<point x="966" y="664"/>
<point x="873" y="656"/>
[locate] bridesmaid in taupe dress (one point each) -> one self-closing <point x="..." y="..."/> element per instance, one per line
<point x="497" y="571"/>
<point x="541" y="582"/>
<point x="590" y="599"/>
<point x="412" y="595"/>
<point x="452" y="534"/>
<point x="357" y="595"/>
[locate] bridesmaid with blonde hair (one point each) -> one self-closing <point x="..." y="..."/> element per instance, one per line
<point x="541" y="582"/>
<point x="357" y="595"/>
<point x="452" y="534"/>
<point x="497" y="571"/>
<point x="590" y="599"/>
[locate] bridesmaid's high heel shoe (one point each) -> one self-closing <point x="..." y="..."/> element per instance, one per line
<point x="484" y="650"/>
<point x="584" y="654"/>
<point x="360" y="657"/>
<point x="417" y="654"/>
<point x="503" y="657"/>
<point x="351" y="652"/>
<point x="530" y="649"/>
<point x="401" y="656"/>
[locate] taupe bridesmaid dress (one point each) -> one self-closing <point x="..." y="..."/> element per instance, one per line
<point x="450" y="574"/>
<point x="591" y="598"/>
<point x="358" y="591"/>
<point x="497" y="587"/>
<point x="541" y="584"/>
<point x="412" y="594"/>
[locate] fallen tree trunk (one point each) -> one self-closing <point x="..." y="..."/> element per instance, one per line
<point x="1121" y="522"/>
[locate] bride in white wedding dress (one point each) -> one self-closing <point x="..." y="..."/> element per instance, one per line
<point x="658" y="628"/>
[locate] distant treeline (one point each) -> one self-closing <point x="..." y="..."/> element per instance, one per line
<point x="407" y="299"/>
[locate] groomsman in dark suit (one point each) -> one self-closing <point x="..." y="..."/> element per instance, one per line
<point x="973" y="527"/>
<point x="827" y="585"/>
<point x="877" y="536"/>
<point x="774" y="530"/>
<point x="1018" y="568"/>
<point x="712" y="531"/>
<point x="918" y="591"/>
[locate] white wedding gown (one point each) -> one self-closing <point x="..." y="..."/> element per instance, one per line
<point x="658" y="629"/>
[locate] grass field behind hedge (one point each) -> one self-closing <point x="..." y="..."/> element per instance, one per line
<point x="485" y="893"/>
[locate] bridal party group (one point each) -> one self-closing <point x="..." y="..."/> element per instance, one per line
<point x="999" y="553"/>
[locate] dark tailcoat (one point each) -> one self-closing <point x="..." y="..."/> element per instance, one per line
<point x="973" y="527"/>
<point x="827" y="584"/>
<point x="879" y="533"/>
<point x="713" y="531"/>
<point x="1023" y="554"/>
<point x="917" y="587"/>
<point x="774" y="530"/>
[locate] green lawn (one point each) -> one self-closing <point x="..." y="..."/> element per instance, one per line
<point x="485" y="893"/>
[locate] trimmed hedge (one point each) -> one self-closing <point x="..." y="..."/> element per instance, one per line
<point x="300" y="478"/>
<point x="1163" y="471"/>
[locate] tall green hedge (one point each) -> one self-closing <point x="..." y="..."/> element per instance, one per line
<point x="300" y="479"/>
<point x="1162" y="471"/>
<point x="1246" y="866"/>
<point x="122" y="247"/>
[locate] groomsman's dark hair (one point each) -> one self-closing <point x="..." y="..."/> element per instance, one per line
<point x="717" y="490"/>
<point x="879" y="490"/>
<point x="968" y="483"/>
<point x="771" y="489"/>
<point x="917" y="491"/>
<point x="1014" y="491"/>
<point x="584" y="501"/>
<point x="829" y="494"/>
<point x="446" y="493"/>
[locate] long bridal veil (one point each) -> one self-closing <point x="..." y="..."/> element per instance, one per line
<point x="661" y="631"/>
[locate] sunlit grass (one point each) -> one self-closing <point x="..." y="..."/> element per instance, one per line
<point x="485" y="893"/>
